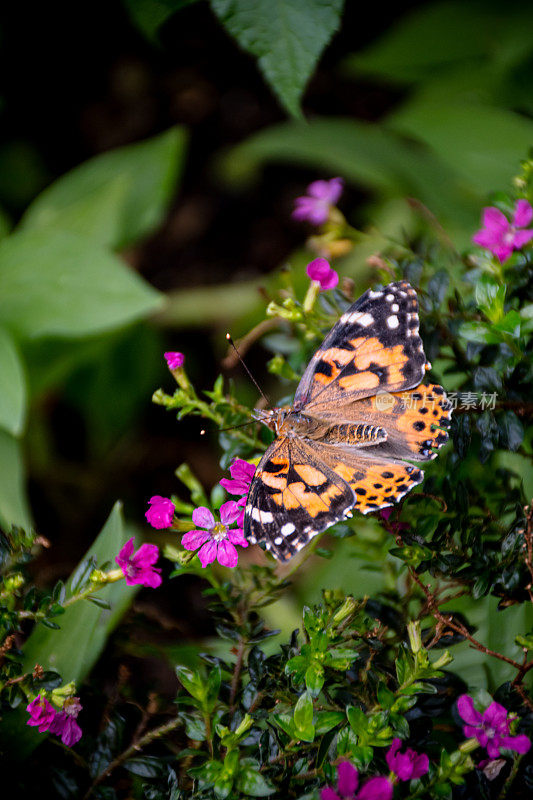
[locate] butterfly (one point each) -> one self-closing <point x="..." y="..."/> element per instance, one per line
<point x="360" y="414"/>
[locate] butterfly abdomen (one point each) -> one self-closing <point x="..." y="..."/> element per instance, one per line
<point x="355" y="434"/>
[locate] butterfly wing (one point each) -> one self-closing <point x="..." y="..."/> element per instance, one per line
<point x="293" y="497"/>
<point x="375" y="346"/>
<point x="376" y="481"/>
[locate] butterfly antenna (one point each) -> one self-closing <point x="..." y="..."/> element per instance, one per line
<point x="261" y="392"/>
<point x="230" y="427"/>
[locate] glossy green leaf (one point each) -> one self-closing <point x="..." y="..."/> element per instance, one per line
<point x="252" y="783"/>
<point x="55" y="283"/>
<point x="13" y="394"/>
<point x="115" y="198"/>
<point x="286" y="36"/>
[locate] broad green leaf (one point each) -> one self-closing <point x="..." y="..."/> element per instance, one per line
<point x="14" y="506"/>
<point x="430" y="37"/>
<point x="85" y="627"/>
<point x="251" y="782"/>
<point x="115" y="198"/>
<point x="286" y="36"/>
<point x="364" y="154"/>
<point x="13" y="394"/>
<point x="303" y="711"/>
<point x="55" y="283"/>
<point x="483" y="145"/>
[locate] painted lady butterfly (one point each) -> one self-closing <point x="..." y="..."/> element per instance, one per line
<point x="358" y="412"/>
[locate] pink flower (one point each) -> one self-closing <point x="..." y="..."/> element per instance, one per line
<point x="41" y="712"/>
<point x="500" y="236"/>
<point x="348" y="781"/>
<point x="315" y="205"/>
<point x="175" y="360"/>
<point x="408" y="765"/>
<point x="217" y="539"/>
<point x="491" y="728"/>
<point x="241" y="472"/>
<point x="65" y="725"/>
<point x="161" y="512"/>
<point x="138" y="567"/>
<point x="320" y="271"/>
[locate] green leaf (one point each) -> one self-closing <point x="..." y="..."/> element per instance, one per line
<point x="326" y="720"/>
<point x="303" y="711"/>
<point x="150" y="15"/>
<point x="481" y="144"/>
<point x="192" y="682"/>
<point x="367" y="155"/>
<point x="314" y="678"/>
<point x="251" y="782"/>
<point x="430" y="37"/>
<point x="14" y="506"/>
<point x="74" y="649"/>
<point x="358" y="720"/>
<point x="55" y="283"/>
<point x="13" y="394"/>
<point x="115" y="198"/>
<point x="286" y="36"/>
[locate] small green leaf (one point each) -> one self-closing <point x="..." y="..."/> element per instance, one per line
<point x="314" y="678"/>
<point x="286" y="36"/>
<point x="358" y="720"/>
<point x="252" y="783"/>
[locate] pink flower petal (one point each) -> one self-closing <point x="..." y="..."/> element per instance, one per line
<point x="523" y="214"/>
<point x="521" y="238"/>
<point x="227" y="554"/>
<point x="376" y="789"/>
<point x="229" y="512"/>
<point x="327" y="793"/>
<point x="495" y="220"/>
<point x="174" y="360"/>
<point x="127" y="550"/>
<point x="194" y="539"/>
<point x="146" y="555"/>
<point x="420" y="766"/>
<point x="208" y="553"/>
<point x="502" y="251"/>
<point x="319" y="189"/>
<point x="485" y="238"/>
<point x="242" y="470"/>
<point x="347" y="779"/>
<point x="520" y="744"/>
<point x="495" y="716"/>
<point x="236" y="536"/>
<point x="203" y="518"/>
<point x="467" y="712"/>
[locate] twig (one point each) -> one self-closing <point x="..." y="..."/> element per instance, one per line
<point x="149" y="737"/>
<point x="236" y="675"/>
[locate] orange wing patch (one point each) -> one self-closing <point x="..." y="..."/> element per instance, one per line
<point x="378" y="484"/>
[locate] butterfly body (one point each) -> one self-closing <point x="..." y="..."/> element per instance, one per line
<point x="359" y="415"/>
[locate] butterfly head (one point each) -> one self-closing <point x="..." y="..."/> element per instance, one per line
<point x="284" y="421"/>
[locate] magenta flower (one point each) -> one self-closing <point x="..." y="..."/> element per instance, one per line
<point x="217" y="539"/>
<point x="138" y="567"/>
<point x="41" y="712"/>
<point x="502" y="237"/>
<point x="320" y="271"/>
<point x="241" y="472"/>
<point x="175" y="360"/>
<point x="408" y="765"/>
<point x="161" y="512"/>
<point x="65" y="725"/>
<point x="348" y="781"/>
<point x="491" y="728"/>
<point x="316" y="204"/>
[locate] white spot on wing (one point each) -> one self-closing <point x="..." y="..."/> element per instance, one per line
<point x="374" y="295"/>
<point x="287" y="529"/>
<point x="389" y="298"/>
<point x="392" y="322"/>
<point x="262" y="516"/>
<point x="395" y="307"/>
